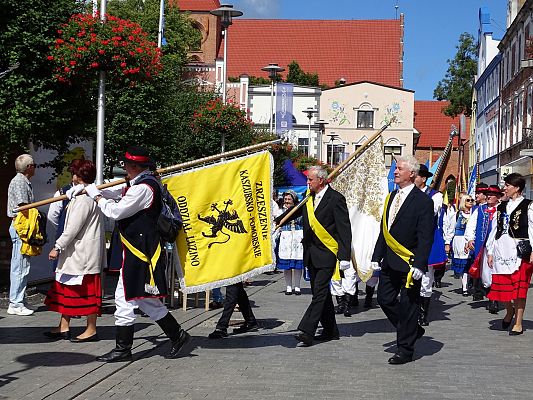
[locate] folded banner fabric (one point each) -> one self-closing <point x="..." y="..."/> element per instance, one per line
<point x="227" y="223"/>
<point x="364" y="183"/>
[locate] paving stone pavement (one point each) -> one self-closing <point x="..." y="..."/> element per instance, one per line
<point x="462" y="355"/>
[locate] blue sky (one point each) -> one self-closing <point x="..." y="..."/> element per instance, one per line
<point x="432" y="27"/>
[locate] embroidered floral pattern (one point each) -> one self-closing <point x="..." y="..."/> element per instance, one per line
<point x="362" y="181"/>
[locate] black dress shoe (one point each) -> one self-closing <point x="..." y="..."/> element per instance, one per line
<point x="93" y="338"/>
<point x="288" y="292"/>
<point x="515" y="333"/>
<point x="304" y="338"/>
<point x="214" y="305"/>
<point x="247" y="327"/>
<point x="325" y="337"/>
<point x="398" y="359"/>
<point x="57" y="335"/>
<point x="218" y="334"/>
<point x="178" y="344"/>
<point x="297" y="293"/>
<point x="438" y="284"/>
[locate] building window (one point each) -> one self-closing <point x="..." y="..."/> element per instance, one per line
<point x="335" y="154"/>
<point x="303" y="146"/>
<point x="365" y="119"/>
<point x="391" y="152"/>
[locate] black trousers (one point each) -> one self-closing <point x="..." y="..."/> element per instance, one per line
<point x="321" y="308"/>
<point x="402" y="313"/>
<point x="235" y="294"/>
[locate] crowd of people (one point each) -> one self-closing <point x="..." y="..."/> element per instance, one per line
<point x="487" y="240"/>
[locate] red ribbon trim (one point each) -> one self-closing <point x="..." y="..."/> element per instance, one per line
<point x="137" y="158"/>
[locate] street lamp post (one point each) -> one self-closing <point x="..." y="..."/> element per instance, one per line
<point x="100" y="116"/>
<point x="321" y="130"/>
<point x="310" y="111"/>
<point x="332" y="138"/>
<point x="226" y="13"/>
<point x="273" y="70"/>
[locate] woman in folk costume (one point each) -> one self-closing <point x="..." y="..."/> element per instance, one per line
<point x="290" y="250"/>
<point x="81" y="255"/>
<point x="462" y="256"/>
<point x="508" y="253"/>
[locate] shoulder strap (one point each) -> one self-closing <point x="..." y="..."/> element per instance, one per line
<point x="323" y="235"/>
<point x="399" y="249"/>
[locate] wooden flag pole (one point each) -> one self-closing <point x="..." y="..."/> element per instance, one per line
<point x="338" y="170"/>
<point x="161" y="171"/>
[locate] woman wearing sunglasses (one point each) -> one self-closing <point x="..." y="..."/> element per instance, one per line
<point x="462" y="259"/>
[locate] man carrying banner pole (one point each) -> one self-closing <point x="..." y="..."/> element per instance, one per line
<point x="401" y="253"/>
<point x="142" y="281"/>
<point x="327" y="239"/>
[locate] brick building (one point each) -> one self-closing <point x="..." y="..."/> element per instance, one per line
<point x="434" y="128"/>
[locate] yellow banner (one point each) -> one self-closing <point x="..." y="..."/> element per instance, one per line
<point x="227" y="223"/>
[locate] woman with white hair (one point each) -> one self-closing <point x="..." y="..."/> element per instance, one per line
<point x="290" y="250"/>
<point x="462" y="259"/>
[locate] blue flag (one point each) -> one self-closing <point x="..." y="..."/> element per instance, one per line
<point x="472" y="182"/>
<point x="390" y="178"/>
<point x="433" y="169"/>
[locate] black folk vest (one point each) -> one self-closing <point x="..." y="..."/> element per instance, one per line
<point x="517" y="220"/>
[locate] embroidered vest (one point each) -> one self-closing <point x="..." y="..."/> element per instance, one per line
<point x="516" y="222"/>
<point x="483" y="226"/>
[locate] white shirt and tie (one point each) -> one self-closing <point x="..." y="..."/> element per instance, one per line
<point x="399" y="199"/>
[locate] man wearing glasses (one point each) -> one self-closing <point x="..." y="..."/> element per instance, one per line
<point x="476" y="233"/>
<point x="19" y="192"/>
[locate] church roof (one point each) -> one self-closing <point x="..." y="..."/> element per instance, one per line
<point x="356" y="50"/>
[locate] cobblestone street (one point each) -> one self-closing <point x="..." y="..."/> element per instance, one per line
<point x="462" y="355"/>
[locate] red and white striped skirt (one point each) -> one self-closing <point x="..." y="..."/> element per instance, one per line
<point x="507" y="287"/>
<point x="74" y="300"/>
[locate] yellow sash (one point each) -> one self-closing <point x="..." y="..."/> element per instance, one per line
<point x="140" y="255"/>
<point x="400" y="250"/>
<point x="323" y="235"/>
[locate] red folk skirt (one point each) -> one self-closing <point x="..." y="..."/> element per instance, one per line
<point x="75" y="300"/>
<point x="507" y="287"/>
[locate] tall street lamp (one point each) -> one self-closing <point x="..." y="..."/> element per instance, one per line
<point x="273" y="70"/>
<point x="332" y="138"/>
<point x="321" y="131"/>
<point x="309" y="111"/>
<point x="100" y="116"/>
<point x="226" y="12"/>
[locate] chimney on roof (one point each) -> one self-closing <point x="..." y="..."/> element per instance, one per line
<point x="342" y="81"/>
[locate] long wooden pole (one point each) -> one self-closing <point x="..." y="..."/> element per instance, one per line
<point x="161" y="171"/>
<point x="333" y="174"/>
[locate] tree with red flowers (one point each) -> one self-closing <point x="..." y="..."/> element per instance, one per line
<point x="215" y="118"/>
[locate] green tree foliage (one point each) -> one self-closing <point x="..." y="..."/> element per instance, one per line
<point x="32" y="106"/>
<point x="456" y="87"/>
<point x="297" y="76"/>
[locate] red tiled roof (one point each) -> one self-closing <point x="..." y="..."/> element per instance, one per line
<point x="356" y="50"/>
<point x="433" y="125"/>
<point x="196" y="5"/>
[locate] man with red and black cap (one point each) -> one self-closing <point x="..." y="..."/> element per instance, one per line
<point x="142" y="281"/>
<point x="441" y="242"/>
<point x="476" y="233"/>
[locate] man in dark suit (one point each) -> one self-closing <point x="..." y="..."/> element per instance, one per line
<point x="330" y="211"/>
<point x="409" y="220"/>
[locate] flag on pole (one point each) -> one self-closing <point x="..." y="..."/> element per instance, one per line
<point x="390" y="178"/>
<point x="433" y="169"/>
<point x="364" y="184"/>
<point x="227" y="223"/>
<point x="472" y="182"/>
